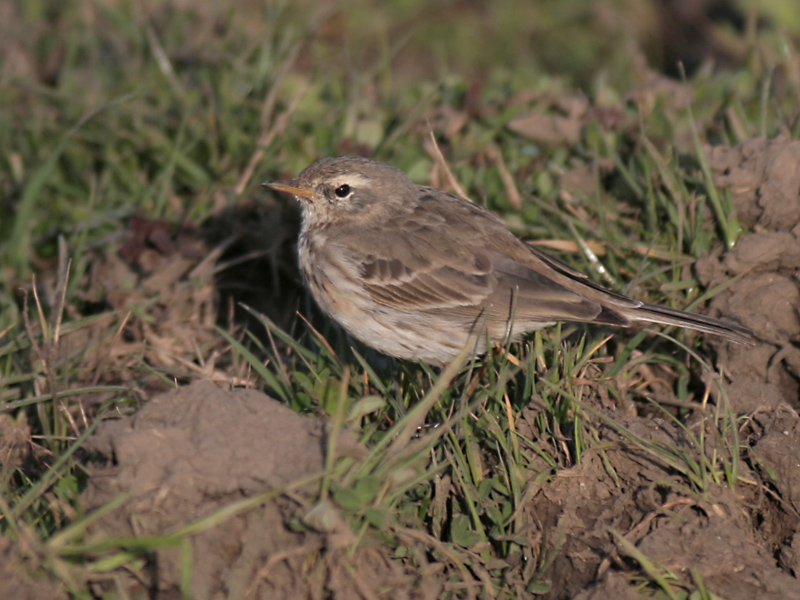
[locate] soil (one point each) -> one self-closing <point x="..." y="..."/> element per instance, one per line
<point x="180" y="459"/>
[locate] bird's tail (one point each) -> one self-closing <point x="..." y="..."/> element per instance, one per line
<point x="670" y="316"/>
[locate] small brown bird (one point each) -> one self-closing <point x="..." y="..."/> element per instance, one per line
<point x="419" y="273"/>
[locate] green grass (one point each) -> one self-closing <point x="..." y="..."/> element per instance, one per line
<point x="178" y="114"/>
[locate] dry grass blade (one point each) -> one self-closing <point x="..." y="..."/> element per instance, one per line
<point x="432" y="147"/>
<point x="512" y="192"/>
<point x="268" y="136"/>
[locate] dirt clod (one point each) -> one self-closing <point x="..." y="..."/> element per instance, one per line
<point x="17" y="581"/>
<point x="628" y="493"/>
<point x="193" y="451"/>
<point x="763" y="177"/>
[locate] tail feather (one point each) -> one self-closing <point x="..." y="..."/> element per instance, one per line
<point x="670" y="316"/>
<point x="616" y="309"/>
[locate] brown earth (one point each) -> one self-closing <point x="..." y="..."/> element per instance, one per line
<point x="180" y="458"/>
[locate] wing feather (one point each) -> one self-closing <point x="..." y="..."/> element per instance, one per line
<point x="458" y="268"/>
<point x="503" y="286"/>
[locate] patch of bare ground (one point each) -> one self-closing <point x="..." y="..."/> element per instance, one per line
<point x="192" y="452"/>
<point x="623" y="503"/>
<point x="763" y="177"/>
<point x="21" y="576"/>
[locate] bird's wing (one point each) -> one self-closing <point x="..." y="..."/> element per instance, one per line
<point x="428" y="264"/>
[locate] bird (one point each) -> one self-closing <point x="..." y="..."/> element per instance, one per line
<point x="420" y="274"/>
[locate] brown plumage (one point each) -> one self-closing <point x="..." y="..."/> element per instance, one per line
<point x="419" y="273"/>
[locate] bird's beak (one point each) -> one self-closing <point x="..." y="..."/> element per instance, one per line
<point x="289" y="188"/>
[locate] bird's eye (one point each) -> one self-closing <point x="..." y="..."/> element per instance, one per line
<point x="343" y="191"/>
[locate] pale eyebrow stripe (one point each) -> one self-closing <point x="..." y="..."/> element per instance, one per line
<point x="352" y="179"/>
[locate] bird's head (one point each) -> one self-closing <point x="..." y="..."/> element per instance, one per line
<point x="347" y="188"/>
